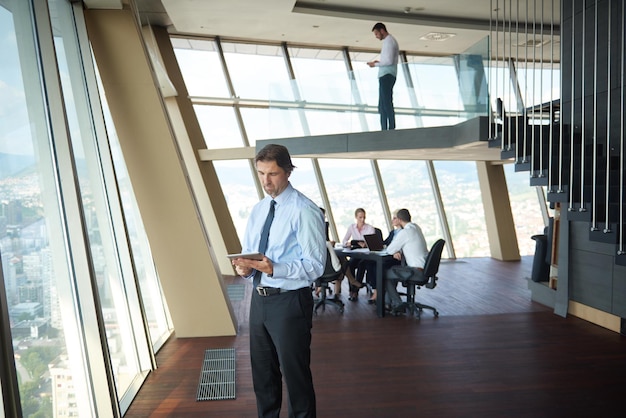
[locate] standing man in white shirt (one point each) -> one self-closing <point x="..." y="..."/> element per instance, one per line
<point x="387" y="72"/>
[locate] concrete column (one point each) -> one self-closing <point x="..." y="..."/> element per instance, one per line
<point x="187" y="266"/>
<point x="498" y="215"/>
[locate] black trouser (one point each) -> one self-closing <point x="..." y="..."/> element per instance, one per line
<point x="385" y="102"/>
<point x="280" y="341"/>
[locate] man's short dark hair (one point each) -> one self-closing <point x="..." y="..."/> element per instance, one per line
<point x="278" y="153"/>
<point x="379" y="26"/>
<point x="403" y="215"/>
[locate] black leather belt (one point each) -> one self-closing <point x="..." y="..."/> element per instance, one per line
<point x="270" y="291"/>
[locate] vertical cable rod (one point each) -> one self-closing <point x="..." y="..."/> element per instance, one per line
<point x="497" y="63"/>
<point x="583" y="119"/>
<point x="561" y="144"/>
<point x="594" y="225"/>
<point x="571" y="133"/>
<point x="489" y="108"/>
<point x="551" y="118"/>
<point x="620" y="247"/>
<point x="508" y="59"/>
<point x="517" y="119"/>
<point x="534" y="100"/>
<point x="502" y="73"/>
<point x="526" y="119"/>
<point x="541" y="153"/>
<point x="607" y="148"/>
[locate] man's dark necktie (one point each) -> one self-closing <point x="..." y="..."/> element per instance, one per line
<point x="265" y="234"/>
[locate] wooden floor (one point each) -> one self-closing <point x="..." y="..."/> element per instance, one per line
<point x="492" y="352"/>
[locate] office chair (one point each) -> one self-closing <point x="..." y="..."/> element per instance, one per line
<point x="412" y="279"/>
<point x="329" y="276"/>
<point x="369" y="289"/>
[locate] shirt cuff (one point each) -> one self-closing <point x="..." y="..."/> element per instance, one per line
<point x="280" y="270"/>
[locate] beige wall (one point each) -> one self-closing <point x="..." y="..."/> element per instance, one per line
<point x="498" y="215"/>
<point x="185" y="261"/>
<point x="208" y="191"/>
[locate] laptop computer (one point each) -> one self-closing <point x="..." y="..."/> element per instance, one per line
<point x="374" y="242"/>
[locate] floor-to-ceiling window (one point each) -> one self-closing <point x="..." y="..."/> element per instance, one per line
<point x="73" y="253"/>
<point x="38" y="274"/>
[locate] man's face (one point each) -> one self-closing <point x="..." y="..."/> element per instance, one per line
<point x="378" y="33"/>
<point x="273" y="178"/>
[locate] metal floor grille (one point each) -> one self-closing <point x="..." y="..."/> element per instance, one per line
<point x="217" y="378"/>
<point x="236" y="292"/>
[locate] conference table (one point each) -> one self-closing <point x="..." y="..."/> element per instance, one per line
<point x="379" y="257"/>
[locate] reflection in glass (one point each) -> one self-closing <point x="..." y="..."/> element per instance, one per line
<point x="473" y="77"/>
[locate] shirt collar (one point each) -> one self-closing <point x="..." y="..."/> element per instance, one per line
<point x="284" y="195"/>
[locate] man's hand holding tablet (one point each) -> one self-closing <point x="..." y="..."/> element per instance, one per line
<point x="249" y="256"/>
<point x="246" y="262"/>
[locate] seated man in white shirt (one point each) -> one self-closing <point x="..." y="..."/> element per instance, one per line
<point x="410" y="243"/>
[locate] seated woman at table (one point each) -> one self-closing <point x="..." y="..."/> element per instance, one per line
<point x="355" y="235"/>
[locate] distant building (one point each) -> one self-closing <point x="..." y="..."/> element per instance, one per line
<point x="34" y="328"/>
<point x="30" y="292"/>
<point x="33" y="309"/>
<point x="63" y="392"/>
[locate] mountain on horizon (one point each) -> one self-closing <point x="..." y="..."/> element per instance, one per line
<point x="12" y="164"/>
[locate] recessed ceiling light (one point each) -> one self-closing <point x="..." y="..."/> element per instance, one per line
<point x="437" y="36"/>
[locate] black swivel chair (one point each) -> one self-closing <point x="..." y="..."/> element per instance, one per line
<point x="329" y="276"/>
<point x="410" y="279"/>
<point x="372" y="265"/>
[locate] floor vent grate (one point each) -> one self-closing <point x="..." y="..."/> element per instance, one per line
<point x="217" y="378"/>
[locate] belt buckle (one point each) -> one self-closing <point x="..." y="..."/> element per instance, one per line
<point x="261" y="290"/>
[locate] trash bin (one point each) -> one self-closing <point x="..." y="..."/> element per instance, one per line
<point x="541" y="269"/>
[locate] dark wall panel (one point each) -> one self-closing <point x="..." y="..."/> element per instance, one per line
<point x="619" y="291"/>
<point x="591" y="279"/>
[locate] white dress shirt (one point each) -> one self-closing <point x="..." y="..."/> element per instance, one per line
<point x="411" y="242"/>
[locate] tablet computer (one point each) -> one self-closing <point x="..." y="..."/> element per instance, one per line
<point x="251" y="256"/>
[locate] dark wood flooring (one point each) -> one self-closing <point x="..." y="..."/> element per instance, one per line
<point x="492" y="352"/>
